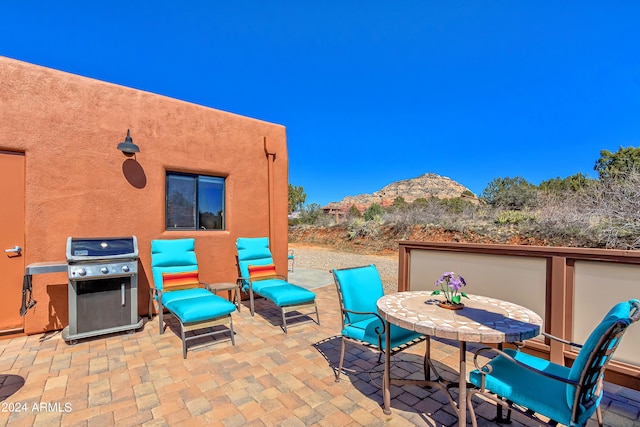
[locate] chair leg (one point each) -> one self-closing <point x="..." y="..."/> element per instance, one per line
<point x="341" y="361"/>
<point x="233" y="340"/>
<point x="150" y="304"/>
<point x="251" y="302"/>
<point x="474" y="421"/>
<point x="317" y="314"/>
<point x="284" y="320"/>
<point x="160" y="320"/>
<point x="236" y="300"/>
<point x="599" y="415"/>
<point x="500" y="418"/>
<point x="184" y="341"/>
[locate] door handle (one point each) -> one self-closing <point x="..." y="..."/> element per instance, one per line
<point x="16" y="249"/>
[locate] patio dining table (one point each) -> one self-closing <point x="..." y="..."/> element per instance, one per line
<point x="482" y="320"/>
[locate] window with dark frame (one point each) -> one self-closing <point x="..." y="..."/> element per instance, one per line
<point x="194" y="202"/>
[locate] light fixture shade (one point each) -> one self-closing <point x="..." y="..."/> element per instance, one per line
<point x="127" y="146"/>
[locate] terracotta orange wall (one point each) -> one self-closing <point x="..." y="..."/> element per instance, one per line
<point x="79" y="184"/>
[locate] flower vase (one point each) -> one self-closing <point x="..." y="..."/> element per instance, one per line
<point x="451" y="305"/>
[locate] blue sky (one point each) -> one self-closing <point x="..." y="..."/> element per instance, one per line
<point x="371" y="91"/>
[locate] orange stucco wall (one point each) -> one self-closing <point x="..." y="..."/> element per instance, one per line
<point x="79" y="184"/>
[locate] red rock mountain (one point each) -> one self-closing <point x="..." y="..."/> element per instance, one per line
<point x="424" y="186"/>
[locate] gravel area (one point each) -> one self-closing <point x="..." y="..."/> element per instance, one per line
<point x="320" y="258"/>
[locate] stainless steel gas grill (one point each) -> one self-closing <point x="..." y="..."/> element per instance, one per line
<point x="103" y="286"/>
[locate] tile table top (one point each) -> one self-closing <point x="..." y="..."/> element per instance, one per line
<point x="483" y="319"/>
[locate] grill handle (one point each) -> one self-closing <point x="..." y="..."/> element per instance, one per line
<point x="123" y="294"/>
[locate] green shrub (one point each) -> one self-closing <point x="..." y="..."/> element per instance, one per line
<point x="420" y="201"/>
<point x="457" y="205"/>
<point x="374" y="211"/>
<point x="359" y="228"/>
<point x="400" y="203"/>
<point x="511" y="193"/>
<point x="310" y="214"/>
<point x="513" y="217"/>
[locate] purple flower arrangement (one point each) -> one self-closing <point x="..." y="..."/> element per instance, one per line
<point x="450" y="285"/>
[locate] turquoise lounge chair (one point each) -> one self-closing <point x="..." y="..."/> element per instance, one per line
<point x="359" y="289"/>
<point x="177" y="288"/>
<point x="258" y="277"/>
<point x="534" y="386"/>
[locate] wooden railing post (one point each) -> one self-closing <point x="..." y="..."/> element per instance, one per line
<point x="557" y="307"/>
<point x="404" y="258"/>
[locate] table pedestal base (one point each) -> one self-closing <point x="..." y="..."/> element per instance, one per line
<point x="439" y="383"/>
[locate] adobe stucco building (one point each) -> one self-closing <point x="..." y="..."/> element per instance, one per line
<point x="61" y="175"/>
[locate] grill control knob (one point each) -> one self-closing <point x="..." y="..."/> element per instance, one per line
<point x="125" y="268"/>
<point x="82" y="271"/>
<point x="104" y="270"/>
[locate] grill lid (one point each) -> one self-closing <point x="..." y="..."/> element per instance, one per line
<point x="94" y="248"/>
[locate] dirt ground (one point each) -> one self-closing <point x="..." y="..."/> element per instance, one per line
<point x="385" y="242"/>
<point x="325" y="258"/>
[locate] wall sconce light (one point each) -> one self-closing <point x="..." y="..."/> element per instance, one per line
<point x="127" y="146"/>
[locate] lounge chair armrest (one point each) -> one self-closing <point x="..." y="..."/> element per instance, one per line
<point x="206" y="286"/>
<point x="563" y="341"/>
<point x="241" y="280"/>
<point x="486" y="367"/>
<point x="158" y="292"/>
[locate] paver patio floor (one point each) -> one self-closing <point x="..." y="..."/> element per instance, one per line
<point x="266" y="379"/>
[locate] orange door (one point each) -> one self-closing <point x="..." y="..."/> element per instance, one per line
<point x="11" y="240"/>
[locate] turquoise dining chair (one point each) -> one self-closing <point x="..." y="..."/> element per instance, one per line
<point x="533" y="386"/>
<point x="291" y="260"/>
<point x="359" y="289"/>
<point x="177" y="288"/>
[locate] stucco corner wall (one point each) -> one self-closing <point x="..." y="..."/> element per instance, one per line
<point x="78" y="184"/>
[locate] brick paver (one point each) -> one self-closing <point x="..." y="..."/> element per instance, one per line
<point x="268" y="378"/>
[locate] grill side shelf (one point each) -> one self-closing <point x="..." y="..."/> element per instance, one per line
<point x="27" y="287"/>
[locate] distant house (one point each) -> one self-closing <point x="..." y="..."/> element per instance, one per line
<point x="200" y="173"/>
<point x="338" y="211"/>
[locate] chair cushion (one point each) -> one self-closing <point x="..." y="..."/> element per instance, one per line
<point x="618" y="312"/>
<point x="172" y="245"/>
<point x="287" y="294"/>
<point x="365" y="330"/>
<point x="361" y="288"/>
<point x="524" y="387"/>
<point x="200" y="308"/>
<point x="259" y="285"/>
<point x="254" y="251"/>
<point x="261" y="272"/>
<point x="253" y="248"/>
<point x="180" y="280"/>
<point x="175" y="255"/>
<point x="184" y="294"/>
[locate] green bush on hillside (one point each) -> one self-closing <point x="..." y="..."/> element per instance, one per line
<point x="513" y="217"/>
<point x="373" y="212"/>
